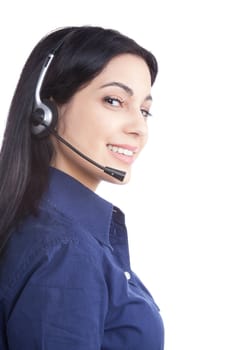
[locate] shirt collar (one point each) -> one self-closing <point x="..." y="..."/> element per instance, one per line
<point x="80" y="204"/>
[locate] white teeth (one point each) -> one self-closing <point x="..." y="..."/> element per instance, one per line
<point x="120" y="150"/>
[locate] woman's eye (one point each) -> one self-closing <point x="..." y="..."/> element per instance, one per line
<point x="146" y="113"/>
<point x="113" y="101"/>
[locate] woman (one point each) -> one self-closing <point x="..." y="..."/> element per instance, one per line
<point x="65" y="275"/>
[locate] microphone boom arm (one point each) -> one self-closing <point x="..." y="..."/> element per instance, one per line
<point x="117" y="174"/>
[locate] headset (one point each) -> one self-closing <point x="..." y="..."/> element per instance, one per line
<point x="45" y="116"/>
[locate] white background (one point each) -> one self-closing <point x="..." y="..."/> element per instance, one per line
<point x="180" y="200"/>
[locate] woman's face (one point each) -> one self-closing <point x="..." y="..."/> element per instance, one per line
<point x="107" y="121"/>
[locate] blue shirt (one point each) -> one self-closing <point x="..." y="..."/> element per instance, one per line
<point x="66" y="281"/>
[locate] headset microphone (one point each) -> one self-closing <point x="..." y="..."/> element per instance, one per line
<point x="117" y="174"/>
<point x="45" y="115"/>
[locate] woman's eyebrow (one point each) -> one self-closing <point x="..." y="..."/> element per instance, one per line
<point x="126" y="88"/>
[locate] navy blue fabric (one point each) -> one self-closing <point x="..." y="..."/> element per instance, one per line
<point x="66" y="281"/>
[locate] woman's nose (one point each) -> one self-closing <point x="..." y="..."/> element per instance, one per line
<point x="136" y="124"/>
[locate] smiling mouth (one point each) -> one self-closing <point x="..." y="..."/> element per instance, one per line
<point x="120" y="150"/>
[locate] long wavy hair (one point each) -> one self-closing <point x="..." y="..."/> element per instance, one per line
<point x="24" y="159"/>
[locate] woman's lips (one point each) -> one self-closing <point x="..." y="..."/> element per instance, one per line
<point x="124" y="153"/>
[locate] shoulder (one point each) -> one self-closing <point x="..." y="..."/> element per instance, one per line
<point x="50" y="242"/>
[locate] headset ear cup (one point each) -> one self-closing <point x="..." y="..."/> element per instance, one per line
<point x="44" y="117"/>
<point x="53" y="108"/>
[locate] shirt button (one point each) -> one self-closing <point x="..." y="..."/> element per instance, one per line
<point x="127" y="275"/>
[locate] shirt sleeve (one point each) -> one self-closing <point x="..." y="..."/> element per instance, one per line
<point x="62" y="305"/>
